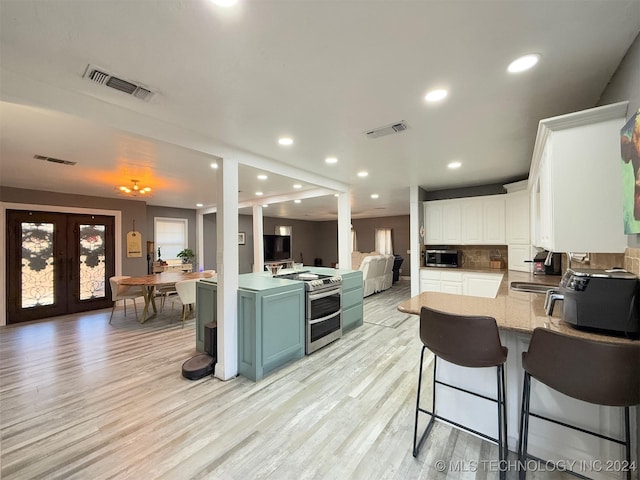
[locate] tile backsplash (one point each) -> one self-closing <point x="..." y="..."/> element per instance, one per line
<point x="632" y="260"/>
<point x="479" y="256"/>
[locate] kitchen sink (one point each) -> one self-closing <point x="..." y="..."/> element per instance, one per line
<point x="531" y="287"/>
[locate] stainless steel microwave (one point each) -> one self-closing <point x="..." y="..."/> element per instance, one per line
<point x="443" y="258"/>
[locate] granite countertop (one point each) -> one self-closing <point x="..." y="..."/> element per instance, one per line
<point x="467" y="269"/>
<point x="519" y="312"/>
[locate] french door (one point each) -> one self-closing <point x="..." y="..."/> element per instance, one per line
<point x="57" y="263"/>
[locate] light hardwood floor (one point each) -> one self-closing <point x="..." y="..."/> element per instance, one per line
<point x="82" y="399"/>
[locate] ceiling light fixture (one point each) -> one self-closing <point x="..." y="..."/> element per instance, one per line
<point x="214" y="165"/>
<point x="436" y="95"/>
<point x="297" y="201"/>
<point x="199" y="205"/>
<point x="523" y="63"/>
<point x="225" y="3"/>
<point x="454" y="165"/>
<point x="331" y="160"/>
<point x="285" y="141"/>
<point x="297" y="186"/>
<point x="262" y="176"/>
<point x="336" y="194"/>
<point x="375" y="195"/>
<point x="265" y="205"/>
<point x="363" y="174"/>
<point x="259" y="194"/>
<point x="135" y="190"/>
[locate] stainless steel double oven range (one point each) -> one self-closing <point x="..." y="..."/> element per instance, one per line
<point x="323" y="308"/>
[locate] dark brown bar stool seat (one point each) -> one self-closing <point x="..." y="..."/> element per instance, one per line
<point x="591" y="371"/>
<point x="467" y="341"/>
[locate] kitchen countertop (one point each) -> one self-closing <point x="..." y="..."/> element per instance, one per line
<point x="467" y="269"/>
<point x="514" y="311"/>
<point x="264" y="280"/>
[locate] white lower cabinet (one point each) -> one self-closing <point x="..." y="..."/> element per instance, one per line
<point x="460" y="283"/>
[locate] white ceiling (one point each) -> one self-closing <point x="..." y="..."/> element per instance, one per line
<point x="229" y="82"/>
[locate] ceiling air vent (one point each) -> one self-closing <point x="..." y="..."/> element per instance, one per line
<point x="387" y="130"/>
<point x="102" y="77"/>
<point x="54" y="160"/>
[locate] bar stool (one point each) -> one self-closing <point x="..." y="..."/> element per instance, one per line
<point x="588" y="370"/>
<point x="467" y="341"/>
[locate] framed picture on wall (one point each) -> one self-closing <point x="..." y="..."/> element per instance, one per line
<point x="241" y="238"/>
<point x="630" y="154"/>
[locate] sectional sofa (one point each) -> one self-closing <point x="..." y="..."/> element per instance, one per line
<point x="377" y="270"/>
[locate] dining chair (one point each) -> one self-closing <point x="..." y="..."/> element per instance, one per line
<point x="186" y="295"/>
<point x="124" y="293"/>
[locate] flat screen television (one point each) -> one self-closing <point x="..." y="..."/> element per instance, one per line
<point x="276" y="247"/>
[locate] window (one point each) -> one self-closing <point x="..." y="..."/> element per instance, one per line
<point x="383" y="241"/>
<point x="170" y="236"/>
<point x="283" y="230"/>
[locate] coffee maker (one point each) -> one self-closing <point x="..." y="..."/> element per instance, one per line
<point x="547" y="263"/>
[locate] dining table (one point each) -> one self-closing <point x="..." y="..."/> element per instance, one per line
<point x="148" y="283"/>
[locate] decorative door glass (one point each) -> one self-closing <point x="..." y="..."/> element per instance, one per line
<point x="92" y="261"/>
<point x="37" y="264"/>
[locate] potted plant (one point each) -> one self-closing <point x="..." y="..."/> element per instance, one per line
<point x="187" y="255"/>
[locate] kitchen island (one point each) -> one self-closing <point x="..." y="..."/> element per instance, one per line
<point x="517" y="315"/>
<point x="271" y="316"/>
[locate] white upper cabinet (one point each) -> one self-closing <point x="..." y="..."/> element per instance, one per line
<point x="517" y="217"/>
<point x="575" y="182"/>
<point x="468" y="221"/>
<point x="442" y="222"/>
<point x="483" y="220"/>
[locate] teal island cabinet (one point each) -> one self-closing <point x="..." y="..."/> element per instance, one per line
<point x="352" y="290"/>
<point x="270" y="321"/>
<point x="271" y="316"/>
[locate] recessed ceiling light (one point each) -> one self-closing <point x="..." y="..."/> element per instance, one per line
<point x="285" y="141"/>
<point x="297" y="201"/>
<point x="375" y="195"/>
<point x="214" y="165"/>
<point x="331" y="160"/>
<point x="259" y="194"/>
<point x="225" y="3"/>
<point x="454" y="165"/>
<point x="297" y="185"/>
<point x="523" y="63"/>
<point x="363" y="174"/>
<point x="265" y="205"/>
<point x="436" y="95"/>
<point x="199" y="205"/>
<point x="336" y="194"/>
<point x="262" y="176"/>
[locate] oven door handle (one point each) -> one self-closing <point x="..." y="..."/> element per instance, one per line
<point x="326" y="293"/>
<point x="323" y="319"/>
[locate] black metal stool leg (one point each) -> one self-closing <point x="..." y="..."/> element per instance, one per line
<point x="415" y="428"/>
<point x="524" y="425"/>
<point x="627" y="441"/>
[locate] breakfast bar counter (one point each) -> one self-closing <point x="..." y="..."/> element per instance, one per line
<point x="517" y="315"/>
<point x="519" y="312"/>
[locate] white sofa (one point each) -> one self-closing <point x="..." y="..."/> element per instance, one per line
<point x="377" y="270"/>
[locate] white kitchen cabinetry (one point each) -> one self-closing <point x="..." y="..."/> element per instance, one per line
<point x="469" y="221"/>
<point x="481" y="284"/>
<point x="442" y="220"/>
<point x="576" y="184"/>
<point x="517" y="231"/>
<point x="460" y="283"/>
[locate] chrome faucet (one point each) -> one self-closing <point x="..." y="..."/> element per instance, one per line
<point x="550" y="300"/>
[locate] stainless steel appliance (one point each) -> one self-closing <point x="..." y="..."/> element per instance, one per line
<point x="323" y="308"/>
<point x="605" y="300"/>
<point x="443" y="258"/>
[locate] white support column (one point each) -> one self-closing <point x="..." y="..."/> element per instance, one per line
<point x="414" y="236"/>
<point x="344" y="231"/>
<point x="199" y="241"/>
<point x="227" y="266"/>
<point x="258" y="248"/>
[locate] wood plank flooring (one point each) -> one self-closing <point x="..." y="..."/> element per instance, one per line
<point x="82" y="399"/>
